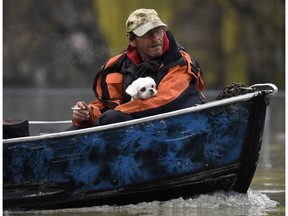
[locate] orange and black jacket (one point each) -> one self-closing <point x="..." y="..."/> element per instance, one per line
<point x="178" y="79"/>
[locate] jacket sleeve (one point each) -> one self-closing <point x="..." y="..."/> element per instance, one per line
<point x="173" y="84"/>
<point x="115" y="86"/>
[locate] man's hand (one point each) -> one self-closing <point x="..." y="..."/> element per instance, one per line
<point x="81" y="111"/>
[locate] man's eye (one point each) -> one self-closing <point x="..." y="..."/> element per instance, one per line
<point x="143" y="89"/>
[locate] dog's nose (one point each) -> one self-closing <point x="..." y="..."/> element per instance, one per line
<point x="151" y="91"/>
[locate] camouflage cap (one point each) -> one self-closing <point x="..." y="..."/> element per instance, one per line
<point x="143" y="20"/>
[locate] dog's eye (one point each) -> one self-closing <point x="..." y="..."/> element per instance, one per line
<point x="143" y="89"/>
<point x="152" y="86"/>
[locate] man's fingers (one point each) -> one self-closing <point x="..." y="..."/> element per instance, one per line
<point x="81" y="115"/>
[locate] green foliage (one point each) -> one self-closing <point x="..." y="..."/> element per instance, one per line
<point x="62" y="43"/>
<point x="234" y="58"/>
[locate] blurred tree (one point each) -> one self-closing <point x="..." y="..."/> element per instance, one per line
<point x="51" y="43"/>
<point x="263" y="36"/>
<point x="234" y="60"/>
<point x="234" y="40"/>
<point x="62" y="43"/>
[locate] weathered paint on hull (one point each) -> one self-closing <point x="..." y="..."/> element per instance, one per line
<point x="165" y="158"/>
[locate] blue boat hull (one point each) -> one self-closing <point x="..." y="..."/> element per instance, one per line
<point x="159" y="158"/>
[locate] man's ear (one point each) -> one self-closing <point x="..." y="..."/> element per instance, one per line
<point x="131" y="42"/>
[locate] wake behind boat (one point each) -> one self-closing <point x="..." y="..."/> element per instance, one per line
<point x="213" y="146"/>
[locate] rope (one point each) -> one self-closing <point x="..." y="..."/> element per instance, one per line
<point x="233" y="90"/>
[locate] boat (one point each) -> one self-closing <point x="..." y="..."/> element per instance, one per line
<point x="201" y="149"/>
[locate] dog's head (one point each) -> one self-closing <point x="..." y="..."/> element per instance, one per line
<point x="143" y="88"/>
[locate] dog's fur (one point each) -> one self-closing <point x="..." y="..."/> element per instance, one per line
<point x="143" y="88"/>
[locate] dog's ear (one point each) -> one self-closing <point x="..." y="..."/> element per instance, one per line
<point x="132" y="90"/>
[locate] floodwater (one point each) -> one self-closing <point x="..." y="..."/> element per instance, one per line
<point x="266" y="195"/>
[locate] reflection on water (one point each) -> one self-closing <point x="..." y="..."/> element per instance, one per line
<point x="266" y="195"/>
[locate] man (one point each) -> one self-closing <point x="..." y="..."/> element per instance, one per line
<point x="152" y="51"/>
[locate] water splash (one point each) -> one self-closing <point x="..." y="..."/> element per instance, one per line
<point x="216" y="204"/>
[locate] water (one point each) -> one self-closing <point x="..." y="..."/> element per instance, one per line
<point x="42" y="104"/>
<point x="218" y="203"/>
<point x="266" y="195"/>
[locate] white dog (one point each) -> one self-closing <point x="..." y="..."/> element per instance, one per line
<point x="143" y="88"/>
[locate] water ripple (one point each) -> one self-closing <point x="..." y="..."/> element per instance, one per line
<point x="215" y="204"/>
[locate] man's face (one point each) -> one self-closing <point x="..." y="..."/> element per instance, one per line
<point x="150" y="45"/>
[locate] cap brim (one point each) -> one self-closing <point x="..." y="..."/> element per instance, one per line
<point x="140" y="31"/>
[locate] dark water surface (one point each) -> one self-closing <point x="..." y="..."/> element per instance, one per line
<point x="266" y="195"/>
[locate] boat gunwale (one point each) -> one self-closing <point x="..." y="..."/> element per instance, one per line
<point x="199" y="107"/>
